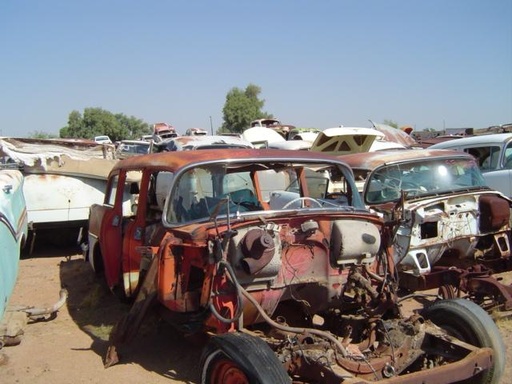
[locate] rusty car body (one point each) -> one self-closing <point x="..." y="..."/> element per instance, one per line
<point x="274" y="257"/>
<point x="445" y="219"/>
<point x="162" y="131"/>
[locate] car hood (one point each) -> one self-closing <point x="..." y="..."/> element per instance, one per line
<point x="345" y="140"/>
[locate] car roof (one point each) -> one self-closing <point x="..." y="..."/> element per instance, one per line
<point x="204" y="140"/>
<point x="291" y="145"/>
<point x="372" y="160"/>
<point x="495" y="138"/>
<point x="261" y="134"/>
<point x="173" y="161"/>
<point x="143" y="142"/>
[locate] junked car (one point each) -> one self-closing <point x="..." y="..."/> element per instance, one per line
<point x="345" y="140"/>
<point x="274" y="124"/>
<point x="252" y="248"/>
<point x="13" y="237"/>
<point x="187" y="143"/>
<point x="441" y="212"/>
<point x="262" y="137"/>
<point x="13" y="232"/>
<point x="196" y="132"/>
<point x="103" y="139"/>
<point x="307" y="134"/>
<point x="127" y="148"/>
<point x="162" y="131"/>
<point x="62" y="178"/>
<point x="494" y="156"/>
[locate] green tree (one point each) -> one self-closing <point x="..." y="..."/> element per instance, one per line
<point x="97" y="121"/>
<point x="74" y="127"/>
<point x="242" y="107"/>
<point x="100" y="122"/>
<point x="132" y="127"/>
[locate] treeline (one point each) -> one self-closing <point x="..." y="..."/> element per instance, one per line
<point x="240" y="108"/>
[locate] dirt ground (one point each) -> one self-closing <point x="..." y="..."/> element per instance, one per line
<point x="70" y="347"/>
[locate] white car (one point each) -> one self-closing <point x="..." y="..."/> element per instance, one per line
<point x="104" y="139"/>
<point x="440" y="204"/>
<point x="186" y="143"/>
<point x="127" y="148"/>
<point x="494" y="155"/>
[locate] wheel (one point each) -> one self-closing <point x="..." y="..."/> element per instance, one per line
<point x="470" y="323"/>
<point x="238" y="358"/>
<point x="447" y="291"/>
<point x="302" y="199"/>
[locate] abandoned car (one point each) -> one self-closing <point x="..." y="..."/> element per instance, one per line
<point x="274" y="124"/>
<point x="275" y="258"/>
<point x="127" y="148"/>
<point x="13" y="232"/>
<point x="441" y="210"/>
<point x="188" y="143"/>
<point x="62" y="178"/>
<point x="494" y="156"/>
<point x="162" y="131"/>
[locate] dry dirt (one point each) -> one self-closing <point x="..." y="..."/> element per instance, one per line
<point x="70" y="347"/>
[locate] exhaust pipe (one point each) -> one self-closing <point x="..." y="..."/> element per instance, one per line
<point x="39" y="312"/>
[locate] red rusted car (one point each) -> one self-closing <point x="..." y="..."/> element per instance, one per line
<point x="274" y="257"/>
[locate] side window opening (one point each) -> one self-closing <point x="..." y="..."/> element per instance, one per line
<point x="110" y="195"/>
<point x="131" y="193"/>
<point x="487" y="157"/>
<point x="507" y="162"/>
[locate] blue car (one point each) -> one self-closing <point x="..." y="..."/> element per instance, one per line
<point x="13" y="231"/>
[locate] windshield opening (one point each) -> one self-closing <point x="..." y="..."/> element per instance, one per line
<point x="422" y="178"/>
<point x="220" y="189"/>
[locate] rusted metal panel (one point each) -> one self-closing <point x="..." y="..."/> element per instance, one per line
<point x="312" y="278"/>
<point x="173" y="161"/>
<point x="372" y="160"/>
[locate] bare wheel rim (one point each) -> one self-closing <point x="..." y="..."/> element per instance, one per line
<point x="228" y="372"/>
<point x="447" y="291"/>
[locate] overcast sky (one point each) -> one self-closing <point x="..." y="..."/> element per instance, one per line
<point x="429" y="64"/>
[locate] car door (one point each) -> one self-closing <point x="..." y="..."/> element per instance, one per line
<point x="111" y="229"/>
<point x="133" y="235"/>
<point x="500" y="178"/>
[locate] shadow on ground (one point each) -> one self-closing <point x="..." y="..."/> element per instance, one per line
<point x="157" y="346"/>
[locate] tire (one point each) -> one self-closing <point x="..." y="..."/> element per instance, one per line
<point x="240" y="358"/>
<point x="470" y="323"/>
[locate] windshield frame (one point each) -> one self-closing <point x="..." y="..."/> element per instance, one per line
<point x="422" y="178"/>
<point x="256" y="167"/>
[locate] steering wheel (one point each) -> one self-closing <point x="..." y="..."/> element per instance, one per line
<point x="408" y="186"/>
<point x="303" y="199"/>
<point x="413" y="187"/>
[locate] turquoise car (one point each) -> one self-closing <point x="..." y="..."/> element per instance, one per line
<point x="13" y="231"/>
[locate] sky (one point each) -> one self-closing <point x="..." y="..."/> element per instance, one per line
<point x="319" y="63"/>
